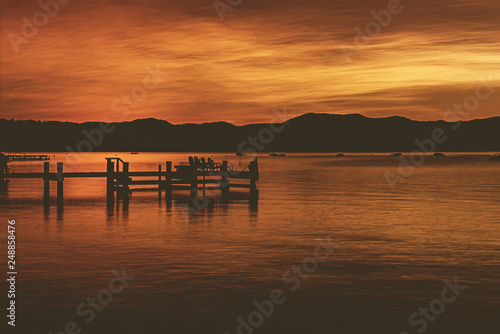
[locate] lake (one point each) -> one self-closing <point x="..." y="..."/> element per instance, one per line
<point x="200" y="271"/>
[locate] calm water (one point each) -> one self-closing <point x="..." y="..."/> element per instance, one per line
<point x="198" y="272"/>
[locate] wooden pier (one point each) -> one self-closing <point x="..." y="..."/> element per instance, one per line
<point x="27" y="157"/>
<point x="120" y="181"/>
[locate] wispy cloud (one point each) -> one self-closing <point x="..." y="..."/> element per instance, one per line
<point x="265" y="54"/>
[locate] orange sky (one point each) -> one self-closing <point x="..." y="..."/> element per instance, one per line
<point x="266" y="54"/>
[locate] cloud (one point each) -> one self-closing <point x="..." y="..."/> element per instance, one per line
<point x="266" y="54"/>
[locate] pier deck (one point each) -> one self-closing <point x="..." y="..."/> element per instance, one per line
<point x="119" y="179"/>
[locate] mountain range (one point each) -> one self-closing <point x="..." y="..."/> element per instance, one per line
<point x="307" y="133"/>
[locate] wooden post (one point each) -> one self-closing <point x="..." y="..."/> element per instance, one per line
<point x="253" y="168"/>
<point x="159" y="181"/>
<point x="110" y="191"/>
<point x="168" y="177"/>
<point x="204" y="171"/>
<point x="254" y="173"/>
<point x="60" y="189"/>
<point x="224" y="179"/>
<point x="194" y="184"/>
<point x="46" y="183"/>
<point x="125" y="186"/>
<point x="3" y="171"/>
<point x="3" y="176"/>
<point x="125" y="180"/>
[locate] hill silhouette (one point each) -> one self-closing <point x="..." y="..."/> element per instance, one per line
<point x="307" y="133"/>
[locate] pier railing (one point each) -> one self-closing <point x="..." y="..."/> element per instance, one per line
<point x="27" y="157"/>
<point x="120" y="181"/>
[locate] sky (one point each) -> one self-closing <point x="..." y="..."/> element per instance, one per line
<point x="185" y="62"/>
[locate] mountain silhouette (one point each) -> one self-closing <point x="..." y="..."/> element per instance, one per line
<point x="306" y="133"/>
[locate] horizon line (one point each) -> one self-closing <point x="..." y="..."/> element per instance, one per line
<point x="257" y="123"/>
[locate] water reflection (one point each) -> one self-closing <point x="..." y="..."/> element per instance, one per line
<point x="4" y="189"/>
<point x="203" y="208"/>
<point x="4" y="185"/>
<point x="60" y="220"/>
<point x="205" y="265"/>
<point x="181" y="206"/>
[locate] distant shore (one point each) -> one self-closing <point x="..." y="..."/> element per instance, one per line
<point x="311" y="133"/>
